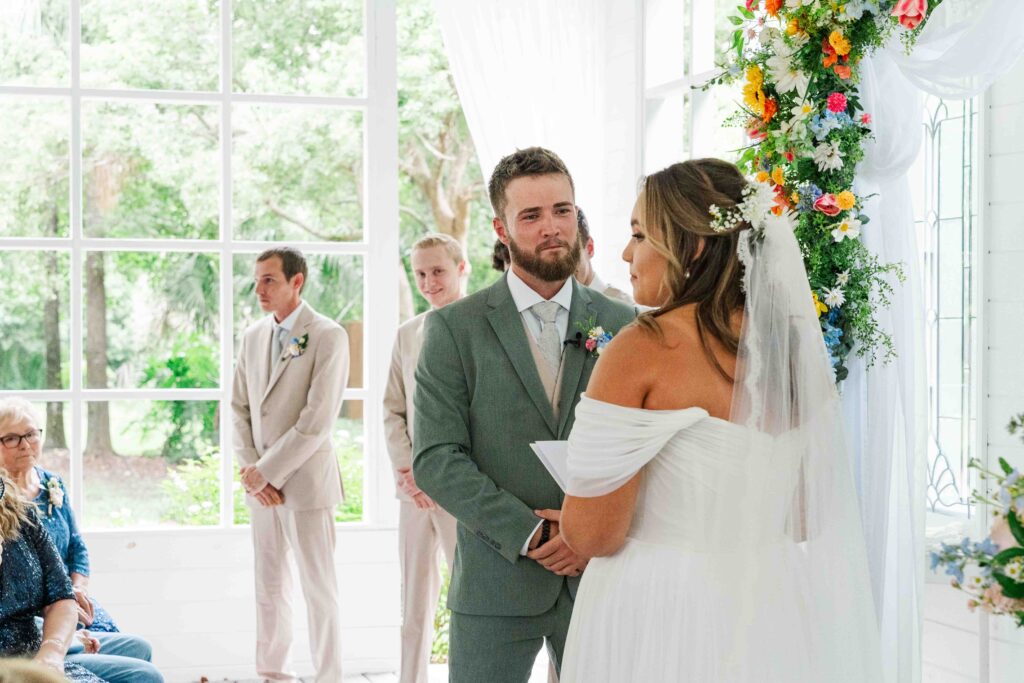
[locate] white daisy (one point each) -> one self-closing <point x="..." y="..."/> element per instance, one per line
<point x="828" y="156"/>
<point x="835" y="297"/>
<point x="786" y="77"/>
<point x="843" y="278"/>
<point x="848" y="229"/>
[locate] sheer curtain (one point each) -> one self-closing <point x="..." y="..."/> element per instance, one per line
<point x="965" y="46"/>
<point x="531" y="72"/>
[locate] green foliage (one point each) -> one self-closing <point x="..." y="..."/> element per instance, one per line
<point x="823" y="43"/>
<point x="191" y="364"/>
<point x="192" y="491"/>
<point x="442" y="621"/>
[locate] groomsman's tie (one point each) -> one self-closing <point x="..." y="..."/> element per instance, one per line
<point x="550" y="344"/>
<point x="277" y="347"/>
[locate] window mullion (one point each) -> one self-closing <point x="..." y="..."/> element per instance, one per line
<point x="77" y="259"/>
<point x="227" y="237"/>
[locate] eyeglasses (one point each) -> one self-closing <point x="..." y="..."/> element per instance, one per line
<point x="12" y="441"/>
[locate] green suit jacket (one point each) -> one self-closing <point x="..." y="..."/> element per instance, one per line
<point x="479" y="404"/>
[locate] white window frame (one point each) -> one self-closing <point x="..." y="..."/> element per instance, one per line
<point x="378" y="248"/>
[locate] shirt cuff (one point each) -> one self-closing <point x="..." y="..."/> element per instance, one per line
<point x="526" y="546"/>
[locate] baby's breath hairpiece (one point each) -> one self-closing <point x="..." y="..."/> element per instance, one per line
<point x="755" y="209"/>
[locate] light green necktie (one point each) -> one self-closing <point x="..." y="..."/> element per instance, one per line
<point x="550" y="344"/>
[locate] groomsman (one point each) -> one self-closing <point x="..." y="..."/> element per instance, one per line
<point x="498" y="370"/>
<point x="585" y="273"/>
<point x="441" y="270"/>
<point x="291" y="371"/>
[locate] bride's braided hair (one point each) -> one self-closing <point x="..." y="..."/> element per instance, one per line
<point x="676" y="207"/>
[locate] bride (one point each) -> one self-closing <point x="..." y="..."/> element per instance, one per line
<point x="708" y="473"/>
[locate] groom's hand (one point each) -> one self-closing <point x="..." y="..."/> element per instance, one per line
<point x="555" y="555"/>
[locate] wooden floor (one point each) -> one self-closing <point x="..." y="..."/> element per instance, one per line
<point x="438" y="674"/>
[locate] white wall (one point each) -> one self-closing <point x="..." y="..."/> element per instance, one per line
<point x="953" y="650"/>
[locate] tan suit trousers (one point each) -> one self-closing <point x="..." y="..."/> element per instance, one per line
<point x="278" y="532"/>
<point x="421" y="534"/>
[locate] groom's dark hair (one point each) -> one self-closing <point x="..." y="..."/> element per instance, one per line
<point x="292" y="262"/>
<point x="521" y="163"/>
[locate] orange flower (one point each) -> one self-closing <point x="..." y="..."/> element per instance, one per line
<point x="831" y="56"/>
<point x="773" y="7"/>
<point x="842" y="71"/>
<point x="770" y="107"/>
<point x="839" y="42"/>
<point x="793" y="27"/>
<point x="779" y="176"/>
<point x="846" y="200"/>
<point x="762" y="176"/>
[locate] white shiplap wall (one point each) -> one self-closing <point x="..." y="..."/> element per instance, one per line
<point x="954" y="652"/>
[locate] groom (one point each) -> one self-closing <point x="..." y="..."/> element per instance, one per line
<point x="499" y="370"/>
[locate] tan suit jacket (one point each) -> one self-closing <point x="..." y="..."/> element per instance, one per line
<point x="283" y="417"/>
<point x="398" y="408"/>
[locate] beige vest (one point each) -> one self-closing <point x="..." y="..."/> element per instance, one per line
<point x="552" y="385"/>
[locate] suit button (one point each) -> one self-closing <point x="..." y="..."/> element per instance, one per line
<point x="264" y="413"/>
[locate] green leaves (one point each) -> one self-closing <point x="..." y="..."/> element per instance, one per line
<point x="1011" y="588"/>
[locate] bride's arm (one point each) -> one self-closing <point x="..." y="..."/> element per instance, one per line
<point x="595" y="527"/>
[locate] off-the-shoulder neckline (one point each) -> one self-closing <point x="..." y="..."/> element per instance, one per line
<point x="673" y="411"/>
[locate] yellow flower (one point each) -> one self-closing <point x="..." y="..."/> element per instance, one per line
<point x="793" y="27"/>
<point x="753" y="96"/>
<point x="755" y="76"/>
<point x="779" y="176"/>
<point x="839" y="43"/>
<point x="846" y="200"/>
<point x="818" y="305"/>
<point x="762" y="176"/>
<point x="795" y="197"/>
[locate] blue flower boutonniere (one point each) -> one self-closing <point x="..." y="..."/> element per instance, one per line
<point x="298" y="346"/>
<point x="596" y="337"/>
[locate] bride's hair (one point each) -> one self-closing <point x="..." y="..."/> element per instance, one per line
<point x="14" y="509"/>
<point x="676" y="213"/>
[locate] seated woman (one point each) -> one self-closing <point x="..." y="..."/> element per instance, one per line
<point x="123" y="657"/>
<point x="32" y="580"/>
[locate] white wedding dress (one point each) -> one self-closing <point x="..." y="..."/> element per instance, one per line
<point x="745" y="559"/>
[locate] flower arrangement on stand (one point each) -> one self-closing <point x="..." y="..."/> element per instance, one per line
<point x="798" y="61"/>
<point x="992" y="571"/>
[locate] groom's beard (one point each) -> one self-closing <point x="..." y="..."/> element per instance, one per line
<point x="546" y="269"/>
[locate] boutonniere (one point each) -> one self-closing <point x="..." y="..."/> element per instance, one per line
<point x="298" y="346"/>
<point x="56" y="494"/>
<point x="596" y="337"/>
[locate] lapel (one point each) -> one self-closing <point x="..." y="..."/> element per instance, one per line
<point x="573" y="358"/>
<point x="507" y="324"/>
<point x="301" y="325"/>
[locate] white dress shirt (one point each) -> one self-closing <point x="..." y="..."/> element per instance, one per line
<point x="524" y="297"/>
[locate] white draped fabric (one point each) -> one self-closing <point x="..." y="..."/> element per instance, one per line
<point x="530" y="72"/>
<point x="965" y="46"/>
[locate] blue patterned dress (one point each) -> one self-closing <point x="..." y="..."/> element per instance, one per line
<point x="59" y="523"/>
<point x="32" y="577"/>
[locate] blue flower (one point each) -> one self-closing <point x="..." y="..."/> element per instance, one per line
<point x="936" y="560"/>
<point x="986" y="547"/>
<point x="809" y="193"/>
<point x="956" y="572"/>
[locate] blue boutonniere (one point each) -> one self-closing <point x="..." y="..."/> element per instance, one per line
<point x="298" y="346"/>
<point x="596" y="337"/>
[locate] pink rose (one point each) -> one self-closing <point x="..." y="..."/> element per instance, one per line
<point x="837" y="102"/>
<point x="591" y="344"/>
<point x="865" y="119"/>
<point x="752" y="5"/>
<point x="1001" y="534"/>
<point x="910" y="12"/>
<point x="827" y="204"/>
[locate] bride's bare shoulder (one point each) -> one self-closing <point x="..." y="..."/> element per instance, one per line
<point x="635" y="360"/>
